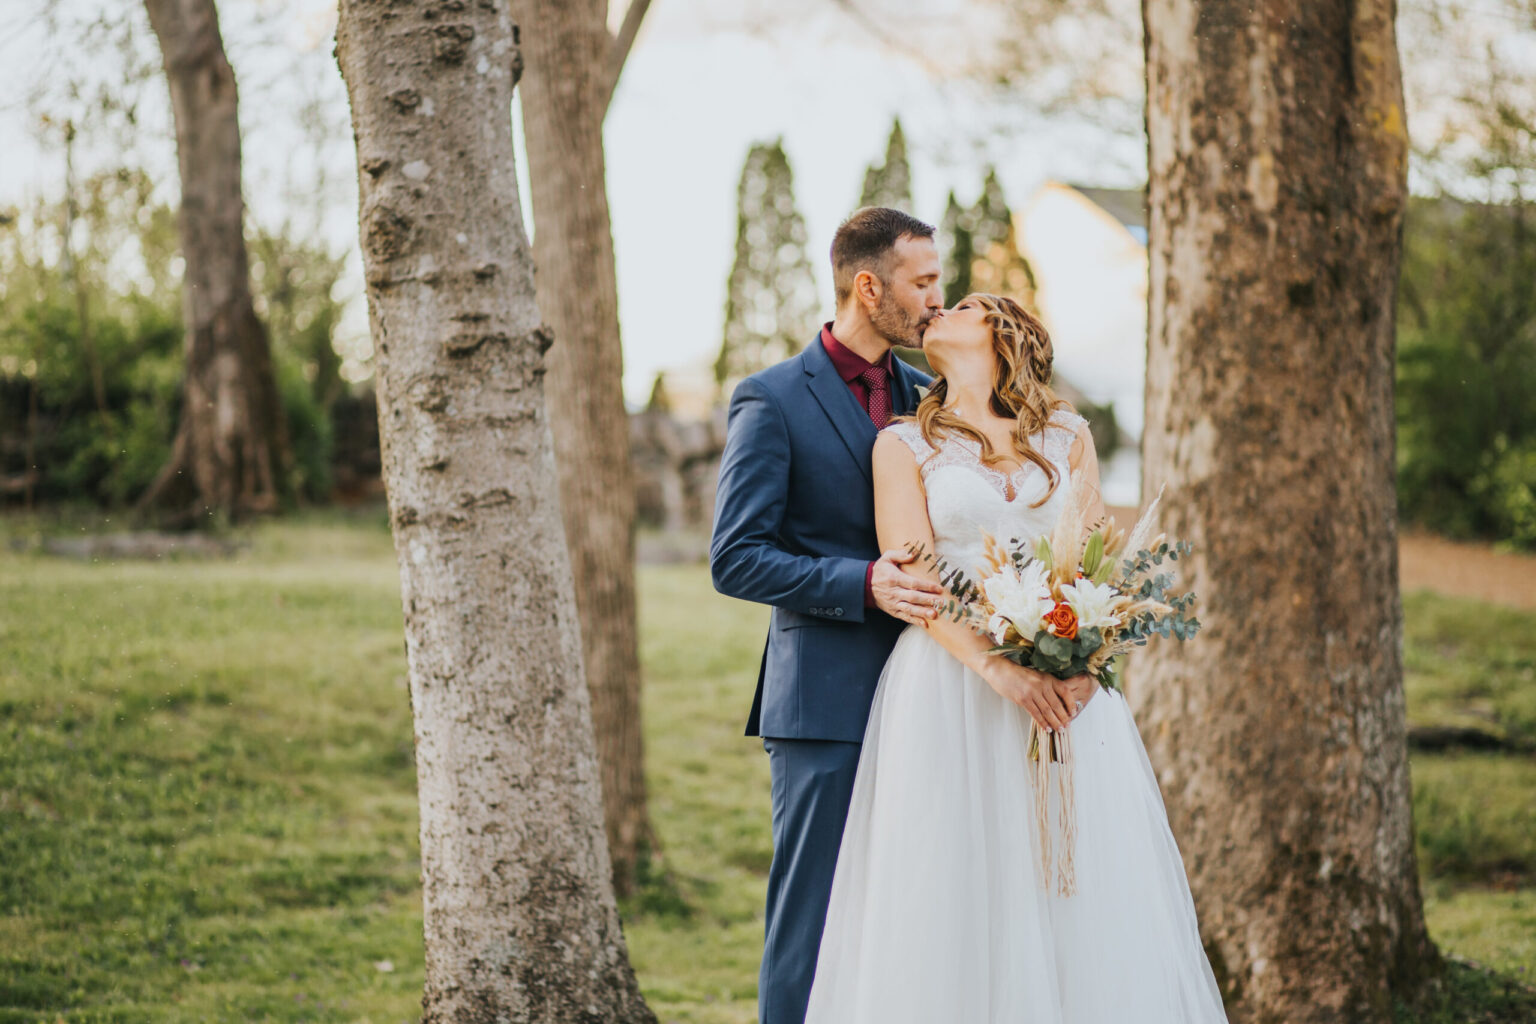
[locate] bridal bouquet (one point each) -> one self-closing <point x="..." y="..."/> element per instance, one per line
<point x="1069" y="602"/>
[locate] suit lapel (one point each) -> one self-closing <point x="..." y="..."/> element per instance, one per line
<point x="831" y="393"/>
<point x="907" y="380"/>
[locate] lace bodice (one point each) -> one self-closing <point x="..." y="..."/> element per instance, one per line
<point x="967" y="499"/>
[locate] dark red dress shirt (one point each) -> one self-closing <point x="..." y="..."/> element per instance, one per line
<point x="850" y="366"/>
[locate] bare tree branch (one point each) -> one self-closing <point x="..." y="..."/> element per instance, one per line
<point x="623" y="43"/>
<point x="887" y="38"/>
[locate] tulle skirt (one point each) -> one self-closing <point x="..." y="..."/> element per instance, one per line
<point x="941" y="907"/>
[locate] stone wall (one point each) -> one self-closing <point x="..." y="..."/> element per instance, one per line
<point x="676" y="465"/>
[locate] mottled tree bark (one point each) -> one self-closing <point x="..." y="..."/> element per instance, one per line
<point x="1277" y="155"/>
<point x="570" y="65"/>
<point x="231" y="442"/>
<point x="520" y="919"/>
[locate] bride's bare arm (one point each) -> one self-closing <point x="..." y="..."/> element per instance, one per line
<point x="901" y="518"/>
<point x="1084" y="460"/>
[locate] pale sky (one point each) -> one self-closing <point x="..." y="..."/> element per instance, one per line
<point x="704" y="82"/>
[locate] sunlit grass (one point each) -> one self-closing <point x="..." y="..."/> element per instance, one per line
<point x="1471" y="663"/>
<point x="1475" y="815"/>
<point x="206" y="786"/>
<point x="1491" y="926"/>
<point x="207" y="800"/>
<point x="709" y="797"/>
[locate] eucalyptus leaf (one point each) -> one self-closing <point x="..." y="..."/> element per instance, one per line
<point x="1055" y="647"/>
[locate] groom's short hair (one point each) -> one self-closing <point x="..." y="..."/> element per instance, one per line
<point x="867" y="241"/>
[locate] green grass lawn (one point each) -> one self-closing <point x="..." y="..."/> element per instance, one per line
<point x="207" y="796"/>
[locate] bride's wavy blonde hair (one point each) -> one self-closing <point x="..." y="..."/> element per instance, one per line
<point x="1021" y="388"/>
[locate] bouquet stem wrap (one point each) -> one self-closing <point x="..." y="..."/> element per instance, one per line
<point x="1056" y="844"/>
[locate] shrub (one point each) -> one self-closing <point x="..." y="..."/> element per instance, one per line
<point x="91" y="352"/>
<point x="1466" y="374"/>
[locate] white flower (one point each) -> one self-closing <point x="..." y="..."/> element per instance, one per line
<point x="1091" y="602"/>
<point x="998" y="627"/>
<point x="1020" y="595"/>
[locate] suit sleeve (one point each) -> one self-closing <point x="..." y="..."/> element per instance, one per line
<point x="745" y="556"/>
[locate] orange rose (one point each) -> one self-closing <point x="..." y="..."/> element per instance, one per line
<point x="1062" y="621"/>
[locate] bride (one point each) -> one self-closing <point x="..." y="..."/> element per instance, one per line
<point x="941" y="912"/>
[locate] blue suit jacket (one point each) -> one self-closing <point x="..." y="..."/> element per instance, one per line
<point x="795" y="529"/>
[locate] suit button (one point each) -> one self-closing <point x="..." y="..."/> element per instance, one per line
<point x="837" y="611"/>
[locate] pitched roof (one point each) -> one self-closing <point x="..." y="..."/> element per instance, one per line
<point x="1127" y="205"/>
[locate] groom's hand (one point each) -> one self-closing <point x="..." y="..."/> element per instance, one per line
<point x="898" y="593"/>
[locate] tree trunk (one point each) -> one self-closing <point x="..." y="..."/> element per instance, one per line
<point x="520" y="919"/>
<point x="565" y="88"/>
<point x="1277" y="155"/>
<point x="231" y="443"/>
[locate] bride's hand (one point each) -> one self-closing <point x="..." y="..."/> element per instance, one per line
<point x="1076" y="692"/>
<point x="1031" y="690"/>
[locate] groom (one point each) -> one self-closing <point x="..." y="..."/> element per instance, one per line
<point x="795" y="529"/>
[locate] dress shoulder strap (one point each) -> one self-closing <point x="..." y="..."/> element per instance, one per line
<point x="1060" y="434"/>
<point x="1066" y="419"/>
<point x="911" y="435"/>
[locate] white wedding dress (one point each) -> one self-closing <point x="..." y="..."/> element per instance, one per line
<point x="940" y="912"/>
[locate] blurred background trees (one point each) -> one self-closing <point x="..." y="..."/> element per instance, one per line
<point x="979" y="247"/>
<point x="230" y="452"/>
<point x="61" y="441"/>
<point x="56" y="444"/>
<point x="771" y="307"/>
<point x="890" y="182"/>
<point x="98" y="259"/>
<point x="1466" y="407"/>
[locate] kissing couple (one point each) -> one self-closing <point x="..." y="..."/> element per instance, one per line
<point x="907" y="885"/>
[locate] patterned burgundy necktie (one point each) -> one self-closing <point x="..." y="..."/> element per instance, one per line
<point x="879" y="395"/>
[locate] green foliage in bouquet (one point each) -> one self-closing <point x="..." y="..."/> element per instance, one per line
<point x="1180" y="621"/>
<point x="1056" y="655"/>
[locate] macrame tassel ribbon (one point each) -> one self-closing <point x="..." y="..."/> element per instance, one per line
<point x="1056" y="844"/>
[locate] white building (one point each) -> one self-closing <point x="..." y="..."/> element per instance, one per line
<point x="1087" y="248"/>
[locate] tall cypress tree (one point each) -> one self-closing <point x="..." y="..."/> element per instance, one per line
<point x="771" y="302"/>
<point x="990" y="216"/>
<point x="890" y="184"/>
<point x="997" y="265"/>
<point x="959" y="248"/>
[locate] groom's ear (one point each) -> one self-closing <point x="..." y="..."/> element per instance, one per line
<point x="868" y="288"/>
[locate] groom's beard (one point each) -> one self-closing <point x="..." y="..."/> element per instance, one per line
<point x="897" y="326"/>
